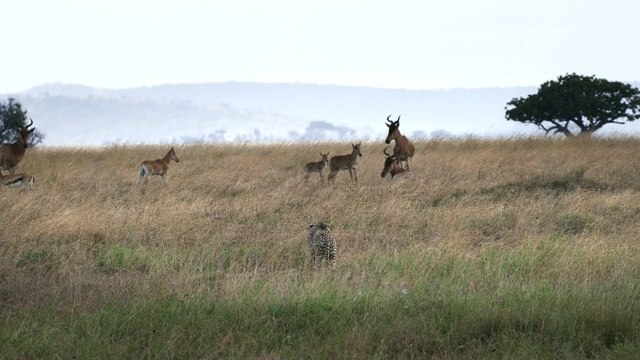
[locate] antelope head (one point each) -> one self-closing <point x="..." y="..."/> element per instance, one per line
<point x="173" y="156"/>
<point x="24" y="132"/>
<point x="356" y="147"/>
<point x="393" y="128"/>
<point x="389" y="162"/>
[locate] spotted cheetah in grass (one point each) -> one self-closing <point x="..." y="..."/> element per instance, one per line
<point x="322" y="244"/>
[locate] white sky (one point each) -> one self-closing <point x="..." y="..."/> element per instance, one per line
<point x="421" y="44"/>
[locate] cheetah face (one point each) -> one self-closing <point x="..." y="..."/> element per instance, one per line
<point x="318" y="226"/>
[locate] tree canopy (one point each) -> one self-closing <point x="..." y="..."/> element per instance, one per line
<point x="11" y="117"/>
<point x="576" y="105"/>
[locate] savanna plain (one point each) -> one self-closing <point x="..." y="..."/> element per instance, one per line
<point x="499" y="248"/>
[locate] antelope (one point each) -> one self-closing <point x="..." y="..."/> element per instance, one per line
<point x="392" y="167"/>
<point x="404" y="149"/>
<point x="13" y="153"/>
<point x="317" y="166"/>
<point x="345" y="162"/>
<point x="157" y="167"/>
<point x="15" y="180"/>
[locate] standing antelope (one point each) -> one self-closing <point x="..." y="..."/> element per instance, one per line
<point x="317" y="166"/>
<point x="404" y="149"/>
<point x="13" y="153"/>
<point x="345" y="162"/>
<point x="392" y="167"/>
<point x="157" y="167"/>
<point x="15" y="180"/>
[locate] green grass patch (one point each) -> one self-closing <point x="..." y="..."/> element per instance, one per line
<point x="430" y="320"/>
<point x="119" y="257"/>
<point x="33" y="258"/>
<point x="499" y="303"/>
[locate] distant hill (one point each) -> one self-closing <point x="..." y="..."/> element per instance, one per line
<point x="73" y="115"/>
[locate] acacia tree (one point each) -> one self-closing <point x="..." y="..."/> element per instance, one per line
<point x="577" y="103"/>
<point x="11" y="117"/>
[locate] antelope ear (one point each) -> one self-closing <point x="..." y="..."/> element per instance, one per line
<point x="31" y="131"/>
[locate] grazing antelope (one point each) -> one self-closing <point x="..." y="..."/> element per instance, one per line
<point x="13" y="153"/>
<point x="404" y="149"/>
<point x="392" y="167"/>
<point x="157" y="167"/>
<point x="317" y="166"/>
<point x="345" y="162"/>
<point x="15" y="180"/>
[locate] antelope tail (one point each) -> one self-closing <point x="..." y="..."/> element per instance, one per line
<point x="143" y="170"/>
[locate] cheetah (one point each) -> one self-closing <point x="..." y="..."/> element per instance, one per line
<point x="322" y="244"/>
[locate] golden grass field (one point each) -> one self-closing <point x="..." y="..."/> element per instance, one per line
<point x="500" y="221"/>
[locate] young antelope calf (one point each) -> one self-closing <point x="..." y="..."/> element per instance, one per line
<point x="15" y="180"/>
<point x="157" y="167"/>
<point x="317" y="166"/>
<point x="345" y="162"/>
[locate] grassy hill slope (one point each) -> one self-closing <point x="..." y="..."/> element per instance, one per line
<point x="513" y="248"/>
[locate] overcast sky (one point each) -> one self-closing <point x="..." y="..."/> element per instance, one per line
<point x="417" y="44"/>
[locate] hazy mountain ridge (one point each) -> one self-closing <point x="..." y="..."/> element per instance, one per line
<point x="73" y="115"/>
<point x="68" y="120"/>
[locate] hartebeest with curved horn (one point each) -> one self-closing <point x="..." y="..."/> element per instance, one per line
<point x="345" y="162"/>
<point x="317" y="166"/>
<point x="157" y="167"/>
<point x="13" y="153"/>
<point x="391" y="167"/>
<point x="15" y="180"/>
<point x="404" y="149"/>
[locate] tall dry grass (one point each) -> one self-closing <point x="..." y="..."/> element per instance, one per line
<point x="491" y="232"/>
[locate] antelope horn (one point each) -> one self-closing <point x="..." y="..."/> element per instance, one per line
<point x="389" y="119"/>
<point x="22" y="127"/>
<point x="385" y="152"/>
